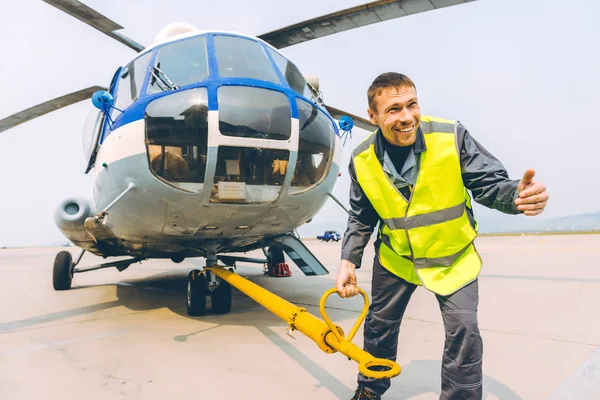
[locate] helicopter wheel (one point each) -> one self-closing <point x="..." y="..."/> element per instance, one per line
<point x="222" y="298"/>
<point x="62" y="274"/>
<point x="196" y="293"/>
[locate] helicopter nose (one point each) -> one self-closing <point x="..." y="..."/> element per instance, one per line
<point x="253" y="150"/>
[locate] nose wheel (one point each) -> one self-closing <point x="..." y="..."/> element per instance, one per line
<point x="65" y="268"/>
<point x="62" y="274"/>
<point x="199" y="287"/>
<point x="196" y="293"/>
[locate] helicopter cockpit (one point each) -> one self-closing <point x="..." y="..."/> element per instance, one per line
<point x="230" y="101"/>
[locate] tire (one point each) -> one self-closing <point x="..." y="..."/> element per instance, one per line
<point x="221" y="298"/>
<point x="196" y="294"/>
<point x="62" y="274"/>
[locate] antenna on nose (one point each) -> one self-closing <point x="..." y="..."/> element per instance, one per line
<point x="346" y="124"/>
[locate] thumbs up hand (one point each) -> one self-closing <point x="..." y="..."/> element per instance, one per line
<point x="532" y="195"/>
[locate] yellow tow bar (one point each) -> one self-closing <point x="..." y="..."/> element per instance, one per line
<point x="330" y="338"/>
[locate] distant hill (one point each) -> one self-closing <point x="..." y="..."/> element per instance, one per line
<point x="523" y="224"/>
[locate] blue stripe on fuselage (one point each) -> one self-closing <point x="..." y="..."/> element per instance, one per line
<point x="136" y="110"/>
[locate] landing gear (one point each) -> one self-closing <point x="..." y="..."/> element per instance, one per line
<point x="62" y="274"/>
<point x="202" y="284"/>
<point x="196" y="293"/>
<point x="276" y="265"/>
<point x="65" y="268"/>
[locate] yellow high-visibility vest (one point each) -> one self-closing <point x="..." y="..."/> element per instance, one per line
<point x="427" y="239"/>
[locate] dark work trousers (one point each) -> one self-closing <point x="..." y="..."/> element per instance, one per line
<point x="461" y="362"/>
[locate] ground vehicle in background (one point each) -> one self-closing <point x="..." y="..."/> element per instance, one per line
<point x="330" y="235"/>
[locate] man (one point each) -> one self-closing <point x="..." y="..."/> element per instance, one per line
<point x="411" y="177"/>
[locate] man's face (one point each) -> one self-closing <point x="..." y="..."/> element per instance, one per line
<point x="398" y="115"/>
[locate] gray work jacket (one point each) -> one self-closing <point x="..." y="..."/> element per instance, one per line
<point x="483" y="174"/>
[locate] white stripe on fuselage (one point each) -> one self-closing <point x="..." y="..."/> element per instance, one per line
<point x="123" y="142"/>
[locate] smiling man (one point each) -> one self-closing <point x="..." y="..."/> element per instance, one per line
<point x="412" y="178"/>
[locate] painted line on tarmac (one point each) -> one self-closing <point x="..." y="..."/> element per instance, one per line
<point x="582" y="384"/>
<point x="14" y="326"/>
<point x="60" y="343"/>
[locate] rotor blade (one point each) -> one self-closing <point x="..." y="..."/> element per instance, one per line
<point x="94" y="19"/>
<point x="46" y="107"/>
<point x="358" y="121"/>
<point x="351" y="18"/>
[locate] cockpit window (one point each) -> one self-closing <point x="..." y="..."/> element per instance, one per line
<point x="254" y="113"/>
<point x="249" y="175"/>
<point x="179" y="64"/>
<point x="140" y="68"/>
<point x="91" y="131"/>
<point x="177" y="138"/>
<point x="130" y="83"/>
<point x="315" y="150"/>
<point x="292" y="75"/>
<point x="238" y="57"/>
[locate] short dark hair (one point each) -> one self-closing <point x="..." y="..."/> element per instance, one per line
<point x="384" y="81"/>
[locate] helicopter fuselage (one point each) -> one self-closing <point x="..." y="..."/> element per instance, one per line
<point x="215" y="140"/>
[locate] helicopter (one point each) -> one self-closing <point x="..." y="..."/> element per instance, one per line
<point x="207" y="143"/>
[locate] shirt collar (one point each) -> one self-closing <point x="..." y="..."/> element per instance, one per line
<point x="418" y="147"/>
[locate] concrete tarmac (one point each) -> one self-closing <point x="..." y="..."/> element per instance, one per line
<point x="126" y="335"/>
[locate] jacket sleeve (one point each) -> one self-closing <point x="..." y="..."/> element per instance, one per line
<point x="485" y="176"/>
<point x="362" y="220"/>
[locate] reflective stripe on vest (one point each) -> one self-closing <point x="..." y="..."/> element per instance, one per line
<point x="428" y="240"/>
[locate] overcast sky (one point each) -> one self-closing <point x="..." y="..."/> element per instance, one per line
<point x="521" y="75"/>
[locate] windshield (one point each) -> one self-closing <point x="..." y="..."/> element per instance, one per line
<point x="254" y="113"/>
<point x="130" y="83"/>
<point x="91" y="131"/>
<point x="243" y="58"/>
<point x="179" y="64"/>
<point x="177" y="138"/>
<point x="315" y="149"/>
<point x="292" y="75"/>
